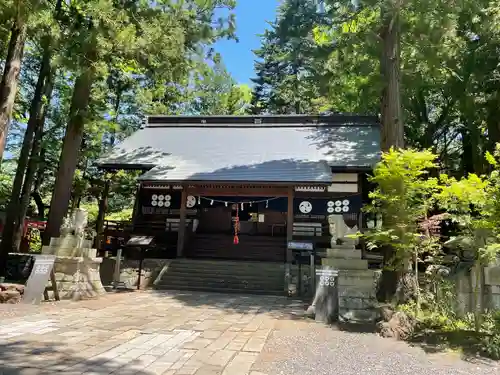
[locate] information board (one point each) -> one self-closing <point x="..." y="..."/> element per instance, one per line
<point x="38" y="279"/>
<point x="140" y="241"/>
<point x="296" y="245"/>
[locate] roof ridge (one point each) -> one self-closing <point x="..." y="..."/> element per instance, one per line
<point x="259" y="121"/>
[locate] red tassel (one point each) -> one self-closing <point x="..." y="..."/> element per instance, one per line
<point x="236" y="240"/>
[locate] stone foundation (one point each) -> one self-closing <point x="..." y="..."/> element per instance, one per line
<point x="78" y="277"/>
<point x="356" y="283"/>
<point x="151" y="271"/>
<point x="76" y="268"/>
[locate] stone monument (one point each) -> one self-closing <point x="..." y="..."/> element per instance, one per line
<point x="356" y="284"/>
<point x="77" y="266"/>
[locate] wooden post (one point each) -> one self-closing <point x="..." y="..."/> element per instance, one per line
<point x="181" y="231"/>
<point x="289" y="223"/>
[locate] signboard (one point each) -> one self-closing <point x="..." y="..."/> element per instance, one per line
<point x="140" y="241"/>
<point x="296" y="245"/>
<point x="309" y="207"/>
<point x="37" y="281"/>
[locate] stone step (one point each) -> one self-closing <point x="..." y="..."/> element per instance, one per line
<point x="226" y="271"/>
<point x="345" y="264"/>
<point x="343" y="253"/>
<point x="232" y="276"/>
<point x="216" y="276"/>
<point x="222" y="290"/>
<point x="209" y="287"/>
<point x="222" y="264"/>
<point x="222" y="283"/>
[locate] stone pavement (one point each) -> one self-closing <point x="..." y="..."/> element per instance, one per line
<point x="181" y="333"/>
<point x="144" y="333"/>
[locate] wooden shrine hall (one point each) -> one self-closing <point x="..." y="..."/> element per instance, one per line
<point x="240" y="187"/>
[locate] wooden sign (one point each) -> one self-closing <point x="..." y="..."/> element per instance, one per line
<point x="40" y="274"/>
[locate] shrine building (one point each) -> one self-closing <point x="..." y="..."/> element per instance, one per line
<point x="240" y="188"/>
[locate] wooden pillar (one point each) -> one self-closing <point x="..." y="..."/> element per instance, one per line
<point x="289" y="223"/>
<point x="181" y="232"/>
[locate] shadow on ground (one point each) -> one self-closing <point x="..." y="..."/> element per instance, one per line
<point x="355" y="327"/>
<point x="276" y="306"/>
<point x="466" y="342"/>
<point x="32" y="357"/>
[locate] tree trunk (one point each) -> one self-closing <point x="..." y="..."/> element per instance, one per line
<point x="15" y="218"/>
<point x="391" y="113"/>
<point x="70" y="149"/>
<point x="392" y="130"/>
<point x="10" y="78"/>
<point x="494" y="122"/>
<point x="29" y="178"/>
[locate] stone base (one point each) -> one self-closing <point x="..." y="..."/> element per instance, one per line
<point x="151" y="270"/>
<point x="78" y="278"/>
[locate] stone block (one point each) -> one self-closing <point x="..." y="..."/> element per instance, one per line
<point x="78" y="278"/>
<point x="346" y="264"/>
<point x="492" y="275"/>
<point x="357" y="291"/>
<point x="353" y="315"/>
<point x="343" y="253"/>
<point x="10" y="296"/>
<point x="8" y="286"/>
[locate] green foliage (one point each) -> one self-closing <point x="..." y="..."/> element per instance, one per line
<point x="149" y="59"/>
<point x="315" y="60"/>
<point x="290" y="66"/>
<point x="123" y="215"/>
<point x="403" y="197"/>
<point x="35" y="241"/>
<point x="473" y="204"/>
<point x="438" y="324"/>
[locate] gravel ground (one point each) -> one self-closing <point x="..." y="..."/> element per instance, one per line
<point x="325" y="351"/>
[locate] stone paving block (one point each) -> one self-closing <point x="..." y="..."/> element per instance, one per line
<point x="171" y="356"/>
<point x="254" y="344"/>
<point x="239" y="341"/>
<point x="158" y="367"/>
<point x="181" y="361"/>
<point x="133" y="353"/>
<point x="210" y="334"/>
<point x="209" y="370"/>
<point x="198" y="343"/>
<point x="189" y="368"/>
<point x="221" y="357"/>
<point x="241" y="364"/>
<point x="223" y="340"/>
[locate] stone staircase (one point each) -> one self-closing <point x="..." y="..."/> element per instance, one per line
<point x="356" y="283"/>
<point x="222" y="276"/>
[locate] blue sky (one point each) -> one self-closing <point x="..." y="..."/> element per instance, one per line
<point x="251" y="17"/>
